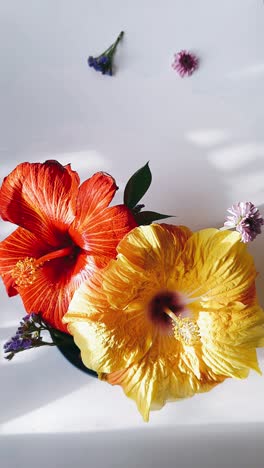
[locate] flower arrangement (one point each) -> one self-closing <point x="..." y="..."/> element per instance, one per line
<point x="160" y="310"/>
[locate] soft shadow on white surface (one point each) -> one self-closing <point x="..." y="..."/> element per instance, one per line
<point x="100" y="407"/>
<point x="34" y="379"/>
<point x="226" y="446"/>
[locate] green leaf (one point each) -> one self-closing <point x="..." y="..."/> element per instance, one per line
<point x="137" y="186"/>
<point x="147" y="217"/>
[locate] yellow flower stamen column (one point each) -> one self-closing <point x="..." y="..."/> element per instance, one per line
<point x="185" y="329"/>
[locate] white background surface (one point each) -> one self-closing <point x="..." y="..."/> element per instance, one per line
<point x="204" y="138"/>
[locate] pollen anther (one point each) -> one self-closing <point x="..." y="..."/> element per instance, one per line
<point x="186" y="330"/>
<point x="24" y="272"/>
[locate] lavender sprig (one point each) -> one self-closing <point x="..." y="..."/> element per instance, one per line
<point x="28" y="335"/>
<point x="104" y="62"/>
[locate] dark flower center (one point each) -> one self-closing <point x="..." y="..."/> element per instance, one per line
<point x="161" y="304"/>
<point x="25" y="270"/>
<point x="186" y="61"/>
<point x="252" y="224"/>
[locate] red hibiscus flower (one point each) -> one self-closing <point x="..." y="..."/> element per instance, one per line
<point x="65" y="229"/>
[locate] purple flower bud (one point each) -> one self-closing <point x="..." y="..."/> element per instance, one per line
<point x="26" y="343"/>
<point x="90" y="61"/>
<point x="17" y="344"/>
<point x="103" y="60"/>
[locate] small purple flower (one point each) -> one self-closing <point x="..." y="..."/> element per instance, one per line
<point x="104" y="62"/>
<point x="185" y="63"/>
<point x="246" y="219"/>
<point x="28" y="335"/>
<point x="27" y="343"/>
<point x="17" y="344"/>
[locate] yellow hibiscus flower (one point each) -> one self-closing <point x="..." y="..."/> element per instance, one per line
<point x="175" y="314"/>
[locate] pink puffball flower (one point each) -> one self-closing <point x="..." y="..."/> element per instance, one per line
<point x="185" y="63"/>
<point x="246" y="219"/>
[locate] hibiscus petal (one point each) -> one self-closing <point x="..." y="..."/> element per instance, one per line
<point x="100" y="233"/>
<point x="98" y="228"/>
<point x="40" y="198"/>
<point x="147" y="246"/>
<point x="139" y="253"/>
<point x="171" y="371"/>
<point x="229" y="338"/>
<point x="18" y="246"/>
<point x="54" y="286"/>
<point x="94" y="195"/>
<point x="217" y="266"/>
<point x="108" y="339"/>
<point x="160" y="376"/>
